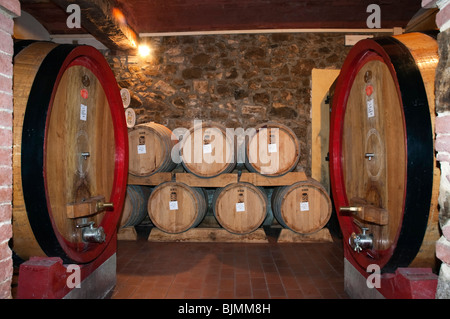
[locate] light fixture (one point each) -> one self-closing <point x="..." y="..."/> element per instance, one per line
<point x="143" y="50"/>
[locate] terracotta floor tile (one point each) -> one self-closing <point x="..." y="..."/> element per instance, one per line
<point x="225" y="294"/>
<point x="261" y="294"/>
<point x="276" y="290"/>
<point x="258" y="283"/>
<point x="156" y="270"/>
<point x="294" y="294"/>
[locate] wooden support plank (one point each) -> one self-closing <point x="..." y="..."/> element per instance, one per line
<point x="85" y="208"/>
<point x="151" y="180"/>
<point x="127" y="233"/>
<point x="261" y="180"/>
<point x="366" y="212"/>
<point x="208" y="235"/>
<point x="219" y="181"/>
<point x="288" y="236"/>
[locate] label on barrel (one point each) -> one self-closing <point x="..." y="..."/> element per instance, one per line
<point x="173" y="205"/>
<point x="272" y="148"/>
<point x="370" y="108"/>
<point x="83" y="112"/>
<point x="240" y="207"/>
<point x="207" y="149"/>
<point x="304" y="206"/>
<point x="141" y="149"/>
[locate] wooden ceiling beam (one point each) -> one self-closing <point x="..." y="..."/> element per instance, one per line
<point x="109" y="28"/>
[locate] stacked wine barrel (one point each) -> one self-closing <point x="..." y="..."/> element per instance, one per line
<point x="303" y="207"/>
<point x="135" y="206"/>
<point x="150" y="148"/>
<point x="272" y="150"/>
<point x="207" y="151"/>
<point x="176" y="207"/>
<point x="240" y="208"/>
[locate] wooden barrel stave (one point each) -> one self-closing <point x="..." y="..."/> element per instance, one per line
<point x="240" y="208"/>
<point x="398" y="125"/>
<point x="150" y="149"/>
<point x="48" y="80"/>
<point x="303" y="207"/>
<point x="135" y="206"/>
<point x="175" y="207"/>
<point x="272" y="150"/>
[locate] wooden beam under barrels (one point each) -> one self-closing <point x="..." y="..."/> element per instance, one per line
<point x="151" y="180"/>
<point x="221" y="180"/>
<point x="261" y="180"/>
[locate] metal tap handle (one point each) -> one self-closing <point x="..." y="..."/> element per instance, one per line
<point x="103" y="206"/>
<point x="91" y="234"/>
<point x="361" y="241"/>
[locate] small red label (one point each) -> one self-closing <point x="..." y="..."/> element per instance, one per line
<point x="369" y="90"/>
<point x="84" y="93"/>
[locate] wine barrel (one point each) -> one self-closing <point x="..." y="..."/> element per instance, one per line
<point x="207" y="151"/>
<point x="175" y="207"/>
<point x="273" y="150"/>
<point x="240" y="208"/>
<point x="70" y="152"/>
<point x="303" y="207"/>
<point x="383" y="169"/>
<point x="135" y="206"/>
<point x="150" y="149"/>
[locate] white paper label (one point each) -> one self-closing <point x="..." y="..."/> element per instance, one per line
<point x="370" y="108"/>
<point x="304" y="206"/>
<point x="83" y="112"/>
<point x="272" y="148"/>
<point x="240" y="207"/>
<point x="142" y="149"/>
<point x="207" y="149"/>
<point x="173" y="205"/>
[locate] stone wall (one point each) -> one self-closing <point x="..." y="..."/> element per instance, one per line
<point x="239" y="80"/>
<point x="443" y="142"/>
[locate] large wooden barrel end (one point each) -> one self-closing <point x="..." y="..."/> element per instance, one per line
<point x="382" y="162"/>
<point x="70" y="152"/>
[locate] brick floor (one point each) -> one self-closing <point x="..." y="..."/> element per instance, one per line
<point x="155" y="270"/>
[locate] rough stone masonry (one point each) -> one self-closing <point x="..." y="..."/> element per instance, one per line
<point x="442" y="144"/>
<point x="238" y="80"/>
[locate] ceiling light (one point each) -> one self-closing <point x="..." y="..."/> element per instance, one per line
<point x="143" y="50"/>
